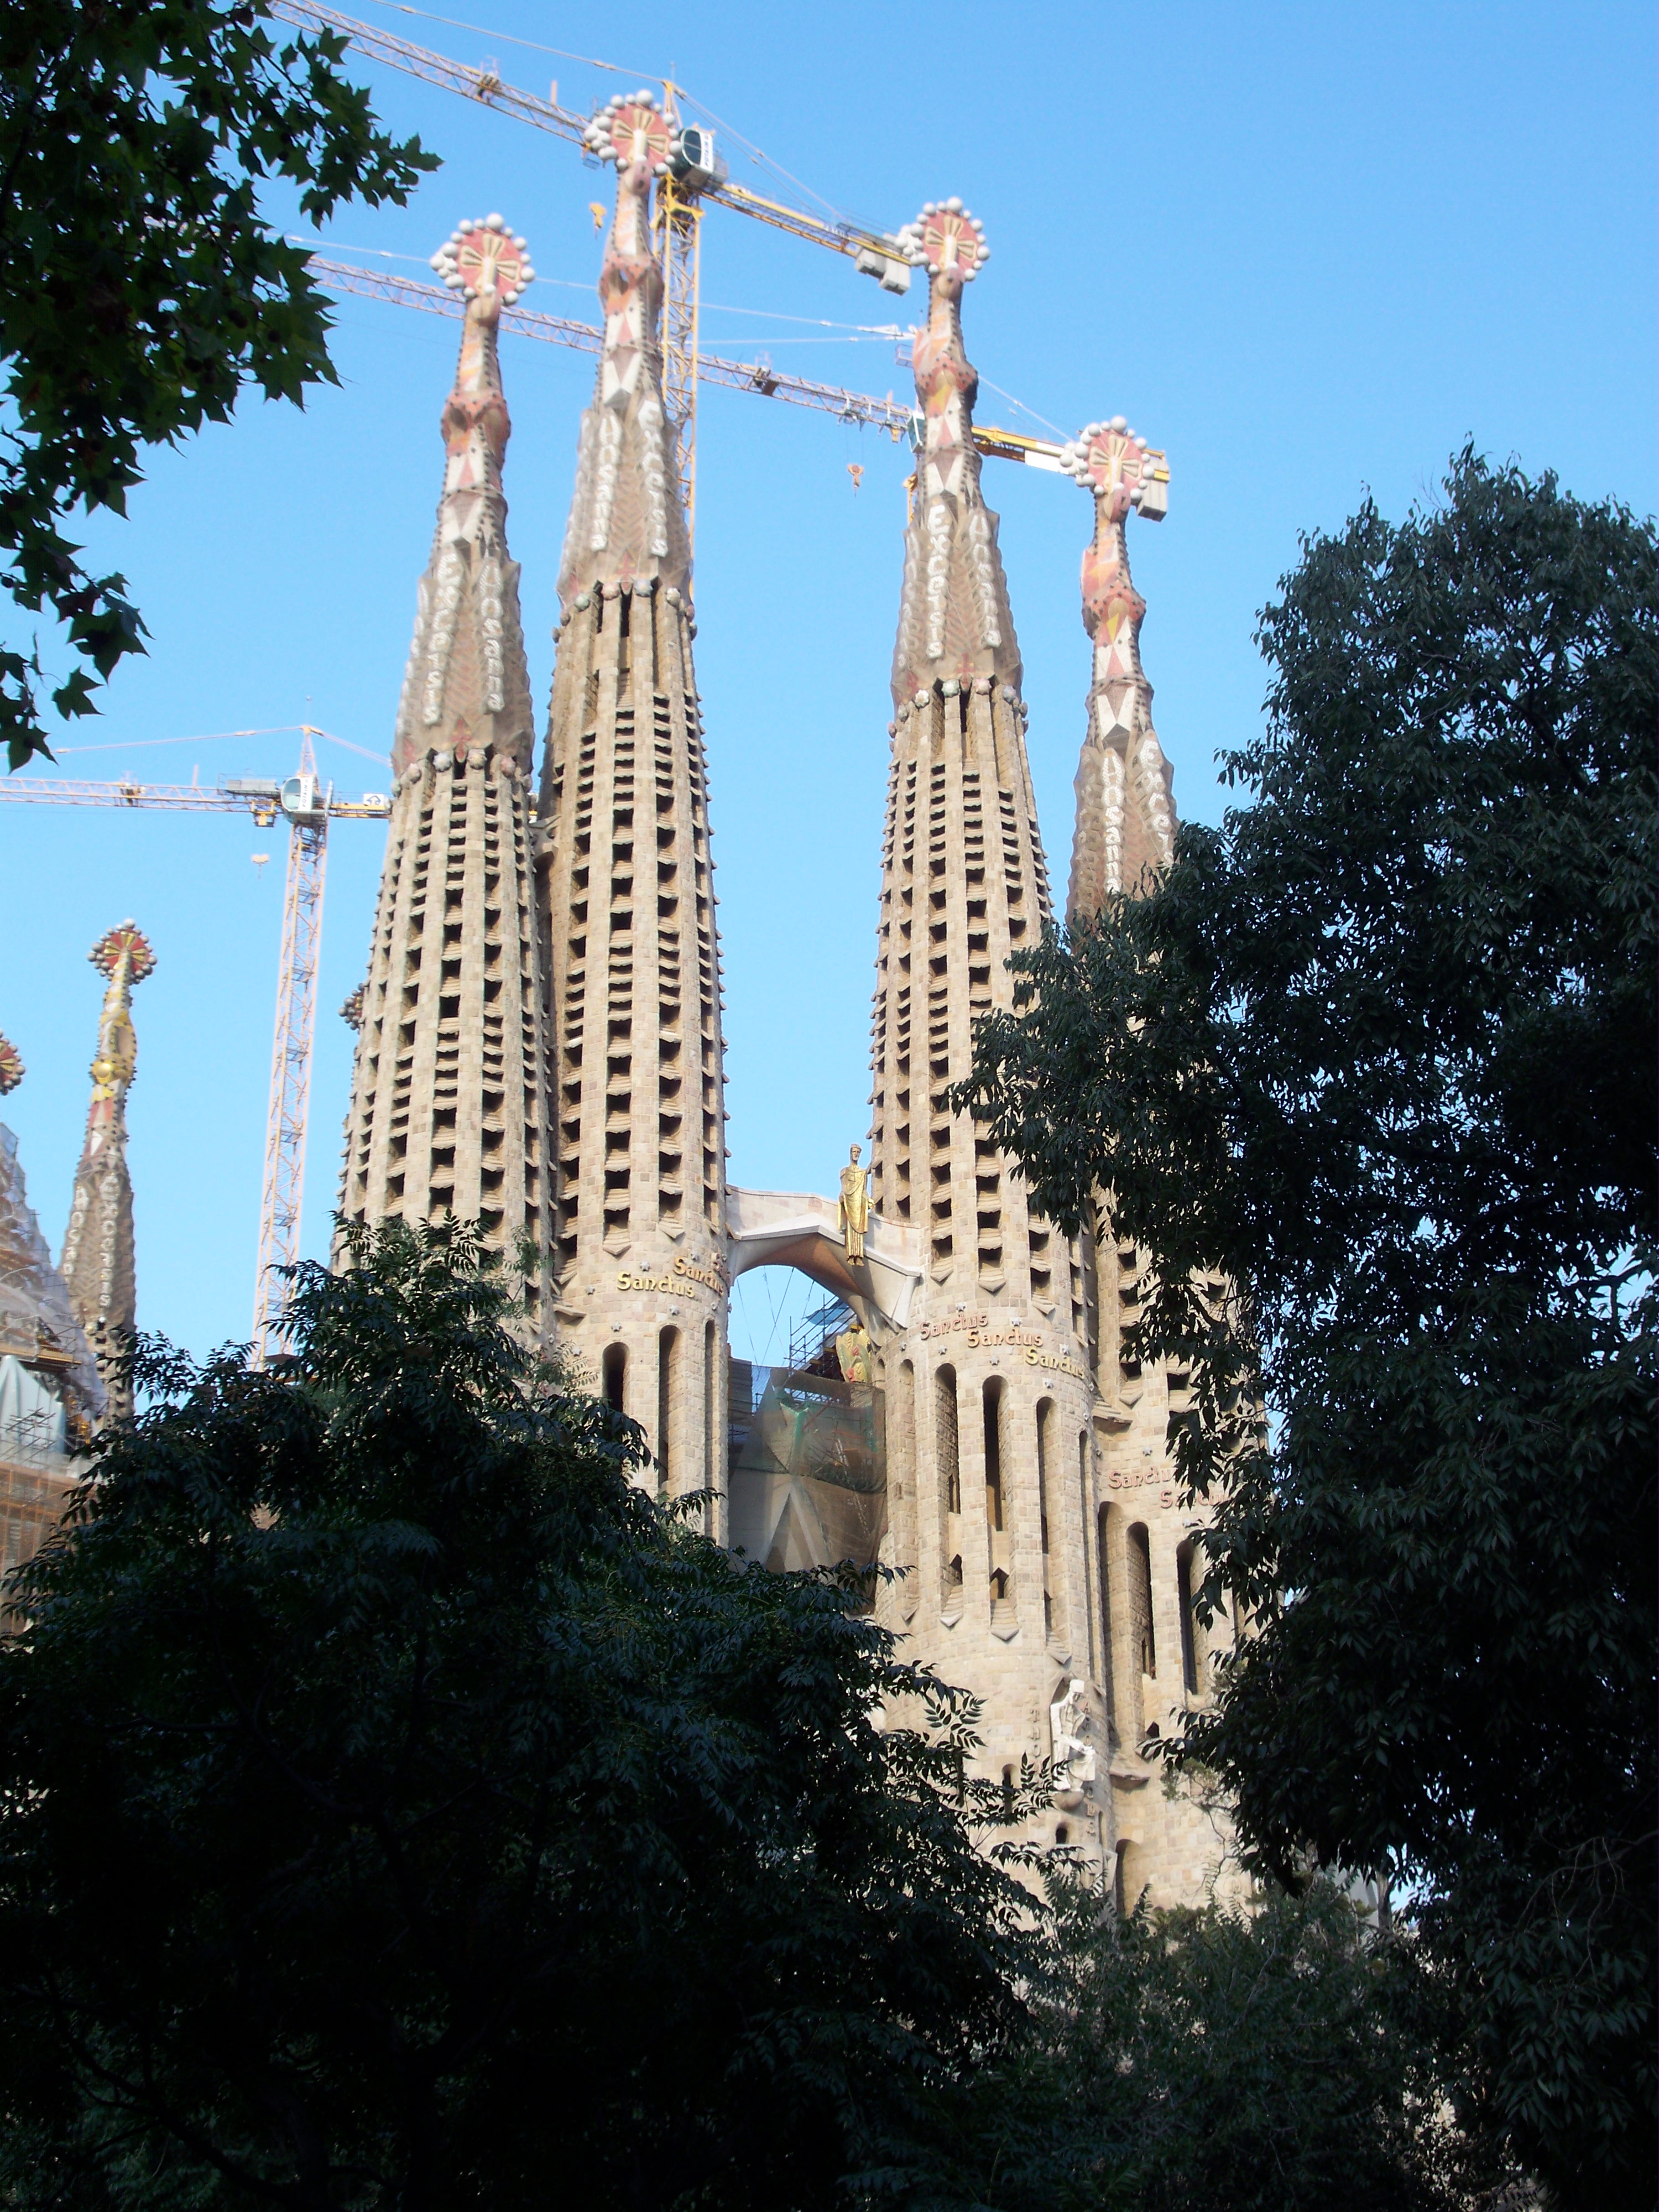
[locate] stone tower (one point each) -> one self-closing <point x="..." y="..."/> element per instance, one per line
<point x="97" y="1262"/>
<point x="1168" y="1843"/>
<point x="627" y="894"/>
<point x="991" y="1449"/>
<point x="449" y="1088"/>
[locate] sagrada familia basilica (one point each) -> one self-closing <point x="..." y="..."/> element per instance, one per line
<point x="540" y="1050"/>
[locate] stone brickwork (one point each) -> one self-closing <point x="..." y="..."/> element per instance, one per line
<point x="449" y="1100"/>
<point x="626" y="891"/>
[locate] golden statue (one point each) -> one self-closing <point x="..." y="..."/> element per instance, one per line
<point x="854" y="1209"/>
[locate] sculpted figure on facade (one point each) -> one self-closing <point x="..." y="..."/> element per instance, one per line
<point x="853" y="1208"/>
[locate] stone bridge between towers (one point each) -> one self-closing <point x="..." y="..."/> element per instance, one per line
<point x="798" y="1229"/>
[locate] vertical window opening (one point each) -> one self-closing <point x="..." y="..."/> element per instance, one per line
<point x="946" y="1443"/>
<point x="667" y="1347"/>
<point x="1141" y="1599"/>
<point x="993" y="1454"/>
<point x="1184" y="1600"/>
<point x="614" y="1369"/>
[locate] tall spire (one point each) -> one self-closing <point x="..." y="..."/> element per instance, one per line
<point x="466" y="678"/>
<point x="954" y="617"/>
<point x="1124" y="806"/>
<point x="988" y="1388"/>
<point x="449" y="1085"/>
<point x="628" y="893"/>
<point x="626" y="522"/>
<point x="98" y="1265"/>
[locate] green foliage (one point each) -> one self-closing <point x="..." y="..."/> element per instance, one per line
<point x="141" y="287"/>
<point x="1378" y="1056"/>
<point x="399" y="1809"/>
<point x="1207" y="2061"/>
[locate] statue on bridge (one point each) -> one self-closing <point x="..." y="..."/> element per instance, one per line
<point x="854" y="1207"/>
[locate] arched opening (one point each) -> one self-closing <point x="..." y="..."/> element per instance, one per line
<point x="947" y="1443"/>
<point x="613" y="1370"/>
<point x="804" y="1462"/>
<point x="668" y="1377"/>
<point x="1189" y="1674"/>
<point x="998" y="1535"/>
<point x="711" y="1414"/>
<point x="1109" y="1671"/>
<point x="994" y="1453"/>
<point x="1054" y="1622"/>
<point x="1142" y="1640"/>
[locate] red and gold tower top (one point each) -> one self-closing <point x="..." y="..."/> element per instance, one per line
<point x="482" y="258"/>
<point x="11" y="1066"/>
<point x="126" y="946"/>
<point x="123" y="954"/>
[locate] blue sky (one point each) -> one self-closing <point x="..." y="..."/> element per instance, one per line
<point x="1309" y="250"/>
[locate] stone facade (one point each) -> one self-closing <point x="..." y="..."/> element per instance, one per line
<point x="627" y="894"/>
<point x="1029" y="1496"/>
<point x="51" y="1395"/>
<point x="448" y="1115"/>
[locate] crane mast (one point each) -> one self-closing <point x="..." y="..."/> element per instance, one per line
<point x="309" y="807"/>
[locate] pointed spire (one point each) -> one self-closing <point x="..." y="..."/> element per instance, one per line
<point x="954" y="618"/>
<point x="449" y="1088"/>
<point x="98" y="1266"/>
<point x="1125" y="806"/>
<point x="467" y="682"/>
<point x="627" y="525"/>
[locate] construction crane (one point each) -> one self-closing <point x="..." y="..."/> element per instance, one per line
<point x="861" y="408"/>
<point x="308" y="806"/>
<point x="693" y="177"/>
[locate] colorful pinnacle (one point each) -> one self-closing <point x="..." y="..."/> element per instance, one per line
<point x="946" y="237"/>
<point x="484" y="257"/>
<point x="125" y="938"/>
<point x="1109" y="460"/>
<point x="11" y="1066"/>
<point x="631" y="128"/>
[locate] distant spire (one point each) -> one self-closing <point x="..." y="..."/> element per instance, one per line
<point x="626" y="522"/>
<point x="467" y="681"/>
<point x="98" y="1265"/>
<point x="11" y="1066"/>
<point x="954" y="618"/>
<point x="1125" y="808"/>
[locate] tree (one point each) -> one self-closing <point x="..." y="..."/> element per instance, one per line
<point x="399" y="1807"/>
<point x="1279" y="2060"/>
<point x="1378" y="1053"/>
<point x="141" y="286"/>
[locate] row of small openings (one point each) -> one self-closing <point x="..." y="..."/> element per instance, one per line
<point x="947" y="1448"/>
<point x="1141" y="1626"/>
